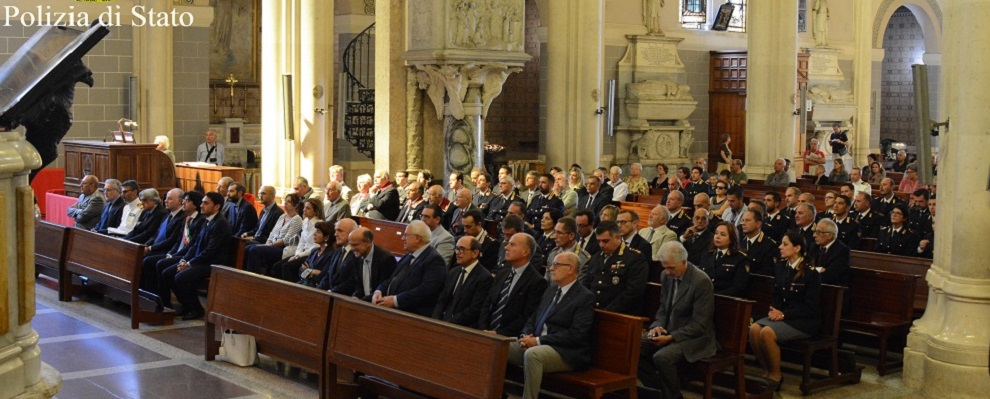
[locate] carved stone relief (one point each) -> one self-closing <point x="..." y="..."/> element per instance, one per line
<point x="447" y="85"/>
<point x="459" y="144"/>
<point x="662" y="144"/>
<point x="822" y="94"/>
<point x="414" y="123"/>
<point x="486" y="24"/>
<point x="658" y="90"/>
<point x="420" y="25"/>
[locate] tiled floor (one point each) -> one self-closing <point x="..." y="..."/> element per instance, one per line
<point x="90" y="342"/>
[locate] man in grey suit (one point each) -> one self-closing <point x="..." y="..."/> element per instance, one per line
<point x="88" y="209"/>
<point x="557" y="336"/>
<point x="335" y="207"/>
<point x="683" y="328"/>
<point x="440" y="238"/>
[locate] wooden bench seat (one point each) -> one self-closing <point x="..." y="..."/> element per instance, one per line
<point x="883" y="306"/>
<point x="407" y="355"/>
<point x="731" y="331"/>
<point x="291" y="326"/>
<point x="761" y="291"/>
<point x="50" y="246"/>
<point x="115" y="264"/>
<point x="897" y="264"/>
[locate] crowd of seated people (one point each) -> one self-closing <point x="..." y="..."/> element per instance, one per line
<point x="559" y="240"/>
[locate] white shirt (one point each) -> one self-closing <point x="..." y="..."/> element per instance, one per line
<point x="129" y="218"/>
<point x="862" y="187"/>
<point x="620" y="191"/>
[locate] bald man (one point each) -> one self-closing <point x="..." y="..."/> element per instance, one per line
<point x="335" y="207"/>
<point x="414" y="204"/>
<point x="269" y="216"/>
<point x="372" y="264"/>
<point x="338" y="275"/>
<point x="89" y="207"/>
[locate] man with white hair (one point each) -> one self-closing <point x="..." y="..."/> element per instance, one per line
<point x="619" y="188"/>
<point x="383" y="204"/>
<point x="658" y="233"/>
<point x="418" y="278"/>
<point x="337" y="174"/>
<point x="779" y="176"/>
<point x="814" y="156"/>
<point x="499" y="205"/>
<point x="335" y="207"/>
<point x="152" y="216"/>
<point x="364" y="187"/>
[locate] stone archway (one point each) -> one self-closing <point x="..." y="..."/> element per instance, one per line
<point x="927" y="12"/>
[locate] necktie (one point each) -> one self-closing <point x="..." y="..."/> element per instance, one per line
<point x="651" y="234"/>
<point x="670" y="302"/>
<point x="163" y="228"/>
<point x="460" y="282"/>
<point x="503" y="299"/>
<point x="581" y="243"/>
<point x="718" y="257"/>
<point x="746" y="245"/>
<point x="264" y="215"/>
<point x="366" y="274"/>
<point x="591" y="198"/>
<point x="186" y="232"/>
<point x="546" y="314"/>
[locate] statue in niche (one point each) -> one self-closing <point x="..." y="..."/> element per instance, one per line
<point x="830" y="95"/>
<point x="651" y="16"/>
<point x="658" y="90"/>
<point x="821" y="23"/>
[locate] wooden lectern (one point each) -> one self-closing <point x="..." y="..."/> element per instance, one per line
<point x="203" y="177"/>
<point x="140" y="162"/>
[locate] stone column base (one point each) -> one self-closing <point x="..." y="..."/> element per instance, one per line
<point x="50" y="384"/>
<point x="936" y="378"/>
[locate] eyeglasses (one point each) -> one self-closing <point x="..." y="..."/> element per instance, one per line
<point x="623" y="221"/>
<point x="555" y="265"/>
<point x="462" y="249"/>
<point x="720" y="187"/>
<point x="821" y="232"/>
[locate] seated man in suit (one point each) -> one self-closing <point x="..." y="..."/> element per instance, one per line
<point x="776" y="222"/>
<point x="211" y="247"/>
<point x="452" y="218"/>
<point x="152" y="215"/>
<point x="679" y="220"/>
<point x="595" y="200"/>
<point x="131" y="212"/>
<point x="657" y="232"/>
<point x="383" y="204"/>
<point x="88" y="208"/>
<point x="170" y="229"/>
<point x="698" y="238"/>
<point x="618" y="274"/>
<point x="516" y="291"/>
<point x="684" y="327"/>
<point x="269" y="216"/>
<point x="414" y="204"/>
<point x="335" y="207"/>
<point x="434" y="195"/>
<point x="338" y="275"/>
<point x="160" y="256"/>
<point x="564" y="234"/>
<point x="585" y="222"/>
<point x="372" y="264"/>
<point x="557" y="337"/>
<point x="473" y="222"/>
<point x="241" y="215"/>
<point x="804" y="222"/>
<point x="830" y="256"/>
<point x="466" y="286"/>
<point x="628" y="222"/>
<point x="440" y="238"/>
<point x="418" y="278"/>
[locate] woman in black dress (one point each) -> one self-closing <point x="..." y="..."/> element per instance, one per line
<point x="725" y="264"/>
<point x="661" y="180"/>
<point x="795" y="309"/>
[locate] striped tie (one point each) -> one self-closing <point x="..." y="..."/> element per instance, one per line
<point x="503" y="299"/>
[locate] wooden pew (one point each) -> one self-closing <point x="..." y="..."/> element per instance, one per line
<point x="50" y="245"/>
<point x="883" y="306"/>
<point x="731" y="331"/>
<point x="388" y="234"/>
<point x="407" y="355"/>
<point x="761" y="291"/>
<point x="897" y="264"/>
<point x="640" y="209"/>
<point x="617" y="338"/>
<point x="291" y="326"/>
<point x="116" y="264"/>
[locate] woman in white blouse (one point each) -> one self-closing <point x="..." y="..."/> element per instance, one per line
<point x="281" y="243"/>
<point x="312" y="213"/>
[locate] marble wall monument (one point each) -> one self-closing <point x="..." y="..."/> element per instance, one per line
<point x="459" y="55"/>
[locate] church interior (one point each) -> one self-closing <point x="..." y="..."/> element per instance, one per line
<point x="289" y="102"/>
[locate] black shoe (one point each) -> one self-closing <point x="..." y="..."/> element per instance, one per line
<point x="182" y="312"/>
<point x="193" y="315"/>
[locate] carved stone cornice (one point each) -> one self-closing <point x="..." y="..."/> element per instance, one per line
<point x="447" y="84"/>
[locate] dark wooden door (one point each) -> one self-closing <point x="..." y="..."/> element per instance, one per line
<point x="727" y="104"/>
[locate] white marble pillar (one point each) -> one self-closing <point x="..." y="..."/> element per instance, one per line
<point x="153" y="68"/>
<point x="575" y="83"/>
<point x="947" y="348"/>
<point x="771" y="83"/>
<point x="21" y="370"/>
<point x="862" y="83"/>
<point x="390" y="86"/>
<point x="277" y="153"/>
<point x="316" y="72"/>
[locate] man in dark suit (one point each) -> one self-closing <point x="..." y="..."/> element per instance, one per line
<point x="169" y="233"/>
<point x="211" y="247"/>
<point x="338" y="275"/>
<point x="869" y="220"/>
<point x="760" y="249"/>
<point x="466" y="286"/>
<point x="418" y="278"/>
<point x="830" y="256"/>
<point x="114" y="208"/>
<point x="241" y="215"/>
<point x="617" y="275"/>
<point x="698" y="238"/>
<point x="595" y="200"/>
<point x="557" y="337"/>
<point x="472" y="222"/>
<point x="776" y="222"/>
<point x="849" y="232"/>
<point x="679" y="220"/>
<point x="269" y="216"/>
<point x="372" y="264"/>
<point x="452" y="218"/>
<point x="683" y="329"/>
<point x="804" y="222"/>
<point x="151" y="218"/>
<point x="628" y="222"/>
<point x="414" y="203"/>
<point x="585" y="222"/>
<point x="516" y="291"/>
<point x="384" y="201"/>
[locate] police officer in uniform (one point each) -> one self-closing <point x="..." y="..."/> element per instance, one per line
<point x="760" y="249"/>
<point x="775" y="222"/>
<point x="725" y="264"/>
<point x="897" y="239"/>
<point x="617" y="275"/>
<point x="920" y="219"/>
<point x="544" y="201"/>
<point x="868" y="218"/>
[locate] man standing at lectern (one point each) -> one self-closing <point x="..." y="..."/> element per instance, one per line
<point x="211" y="151"/>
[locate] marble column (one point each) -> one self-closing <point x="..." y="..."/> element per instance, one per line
<point x="22" y="374"/>
<point x="946" y="356"/>
<point x="574" y="83"/>
<point x="771" y="83"/>
<point x="862" y="83"/>
<point x="316" y="73"/>
<point x="277" y="153"/>
<point x="153" y="68"/>
<point x="390" y="86"/>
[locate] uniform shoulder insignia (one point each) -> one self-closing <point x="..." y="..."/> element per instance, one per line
<point x="634" y="250"/>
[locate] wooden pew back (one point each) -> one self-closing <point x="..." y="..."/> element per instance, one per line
<point x="640" y="209"/>
<point x="420" y="354"/>
<point x="291" y="325"/>
<point x="896" y="264"/>
<point x="652" y="300"/>
<point x="50" y="247"/>
<point x="761" y="292"/>
<point x="881" y="296"/>
<point x="732" y="323"/>
<point x="388" y="234"/>
<point x="614" y="350"/>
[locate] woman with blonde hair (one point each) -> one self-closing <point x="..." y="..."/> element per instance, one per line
<point x="163" y="145"/>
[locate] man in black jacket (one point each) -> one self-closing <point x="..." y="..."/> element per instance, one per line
<point x="372" y="264"/>
<point x="151" y="217"/>
<point x="114" y="209"/>
<point x="384" y="201"/>
<point x="516" y="291"/>
<point x="241" y="215"/>
<point x="269" y="216"/>
<point x="466" y="286"/>
<point x="337" y="275"/>
<point x="557" y="337"/>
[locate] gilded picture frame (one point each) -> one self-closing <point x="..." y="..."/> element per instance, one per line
<point x="235" y="42"/>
